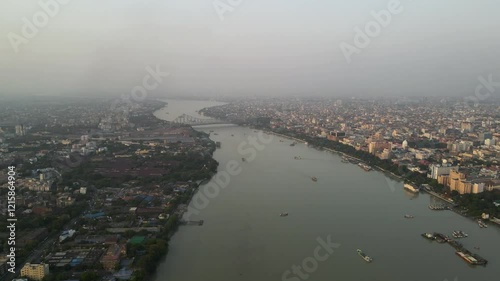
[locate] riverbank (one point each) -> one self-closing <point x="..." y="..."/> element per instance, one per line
<point x="388" y="173"/>
<point x="335" y="151"/>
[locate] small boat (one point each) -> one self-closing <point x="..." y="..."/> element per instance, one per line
<point x="314" y="179"/>
<point x="364" y="256"/>
<point x="243" y="159"/>
<point x="215" y="134"/>
<point x="283" y="214"/>
<point x="281" y="140"/>
<point x="429" y="236"/>
<point x="482" y="224"/>
<point x="232" y="135"/>
<point x="292" y="144"/>
<point x="297" y="158"/>
<point x="409" y="217"/>
<point x="477" y="248"/>
<point x="459" y="234"/>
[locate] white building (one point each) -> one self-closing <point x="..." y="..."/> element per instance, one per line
<point x="436" y="170"/>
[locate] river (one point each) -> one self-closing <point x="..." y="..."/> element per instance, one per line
<point x="244" y="237"/>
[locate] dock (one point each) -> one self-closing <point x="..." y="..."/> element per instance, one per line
<point x="461" y="251"/>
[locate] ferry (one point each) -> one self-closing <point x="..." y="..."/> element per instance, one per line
<point x="364" y="256"/>
<point x="283" y="214"/>
<point x="314" y="179"/>
<point x="411" y="187"/>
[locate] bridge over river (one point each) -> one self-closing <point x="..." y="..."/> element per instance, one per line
<point x="194" y="121"/>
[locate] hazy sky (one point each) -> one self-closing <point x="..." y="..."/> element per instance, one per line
<point x="262" y="47"/>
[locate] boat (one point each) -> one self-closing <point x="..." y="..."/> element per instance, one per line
<point x="215" y="134"/>
<point x="283" y="214"/>
<point x="281" y="140"/>
<point x="477" y="248"/>
<point x="293" y="144"/>
<point x="243" y="159"/>
<point x="481" y="224"/>
<point x="459" y="234"/>
<point x="364" y="256"/>
<point x="297" y="158"/>
<point x="306" y="143"/>
<point x="365" y="167"/>
<point x="314" y="179"/>
<point x="471" y="258"/>
<point x="437" y="208"/>
<point x="411" y="187"/>
<point x="429" y="236"/>
<point x="409" y="217"/>
<point x="441" y="238"/>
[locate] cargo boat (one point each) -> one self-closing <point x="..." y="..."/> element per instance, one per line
<point x="471" y="258"/>
<point x="364" y="256"/>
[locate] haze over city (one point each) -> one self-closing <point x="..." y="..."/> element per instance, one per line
<point x="258" y="47"/>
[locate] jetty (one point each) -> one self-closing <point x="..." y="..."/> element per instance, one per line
<point x="198" y="222"/>
<point x="461" y="251"/>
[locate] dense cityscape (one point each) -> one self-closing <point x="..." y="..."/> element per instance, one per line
<point x="449" y="144"/>
<point x="99" y="192"/>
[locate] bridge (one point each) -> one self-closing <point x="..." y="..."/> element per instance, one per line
<point x="193" y="121"/>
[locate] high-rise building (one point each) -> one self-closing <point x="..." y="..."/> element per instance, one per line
<point x="436" y="170"/>
<point x="35" y="271"/>
<point x="20" y="130"/>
